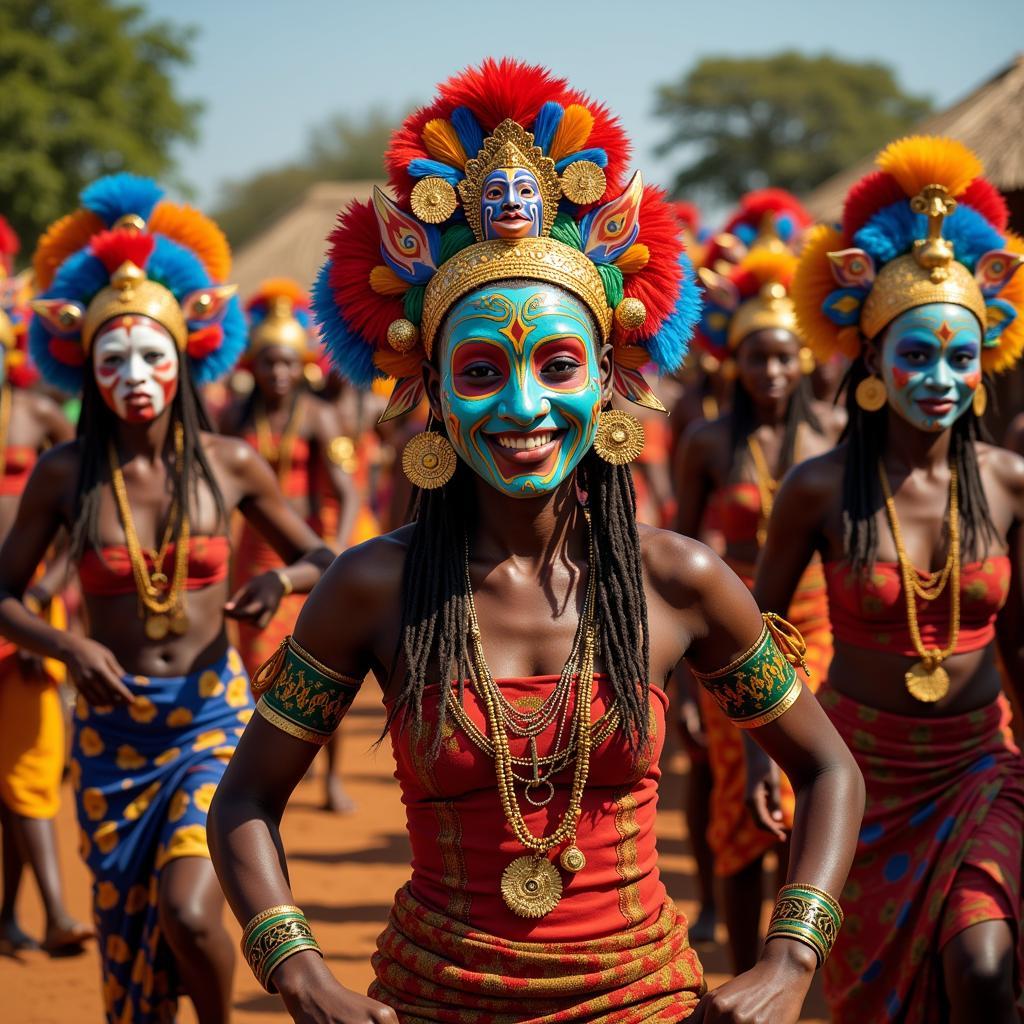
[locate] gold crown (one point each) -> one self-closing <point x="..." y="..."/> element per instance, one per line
<point x="930" y="273"/>
<point x="500" y="259"/>
<point x="280" y="327"/>
<point x="510" y="145"/>
<point x="770" y="308"/>
<point x="130" y="291"/>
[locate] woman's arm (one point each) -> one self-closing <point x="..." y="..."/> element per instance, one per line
<point x="694" y="480"/>
<point x="327" y="427"/>
<point x="336" y="628"/>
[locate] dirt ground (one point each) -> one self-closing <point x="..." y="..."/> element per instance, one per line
<point x="344" y="870"/>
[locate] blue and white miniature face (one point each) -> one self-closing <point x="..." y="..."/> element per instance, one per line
<point x="511" y="205"/>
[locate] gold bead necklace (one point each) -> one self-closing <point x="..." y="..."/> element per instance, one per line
<point x="927" y="680"/>
<point x="767" y="485"/>
<point x="162" y="607"/>
<point x="280" y="454"/>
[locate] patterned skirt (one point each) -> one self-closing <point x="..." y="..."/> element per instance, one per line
<point x="144" y="777"/>
<point x="433" y="968"/>
<point x="939" y="850"/>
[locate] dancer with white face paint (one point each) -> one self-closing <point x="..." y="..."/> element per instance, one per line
<point x="146" y="492"/>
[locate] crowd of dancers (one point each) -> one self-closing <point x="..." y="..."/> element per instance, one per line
<point x="812" y="566"/>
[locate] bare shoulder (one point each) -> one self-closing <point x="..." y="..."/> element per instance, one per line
<point x="1003" y="466"/>
<point x="679" y="569"/>
<point x="819" y="478"/>
<point x="323" y="417"/>
<point x="231" y="454"/>
<point x="55" y="476"/>
<point x="36" y="404"/>
<point x="832" y="418"/>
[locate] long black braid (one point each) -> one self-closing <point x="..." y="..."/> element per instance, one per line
<point x="435" y="613"/>
<point x="97" y="423"/>
<point x="865" y="439"/>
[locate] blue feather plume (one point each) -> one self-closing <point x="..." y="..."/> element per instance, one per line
<point x="669" y="346"/>
<point x="223" y="359"/>
<point x="468" y="129"/>
<point x="423" y="168"/>
<point x="548" y="118"/>
<point x="351" y="355"/>
<point x="115" y="195"/>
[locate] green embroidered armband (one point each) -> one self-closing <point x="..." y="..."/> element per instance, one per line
<point x="300" y="695"/>
<point x="761" y="684"/>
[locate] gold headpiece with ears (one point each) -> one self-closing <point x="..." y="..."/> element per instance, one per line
<point x="280" y="327"/>
<point x="131" y="291"/>
<point x="770" y="308"/>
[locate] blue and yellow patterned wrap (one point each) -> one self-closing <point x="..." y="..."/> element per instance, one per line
<point x="300" y="695"/>
<point x="144" y="775"/>
<point x="761" y="684"/>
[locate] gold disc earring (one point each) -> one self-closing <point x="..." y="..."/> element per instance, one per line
<point x="980" y="400"/>
<point x="429" y="460"/>
<point x="619" y="438"/>
<point x="870" y="394"/>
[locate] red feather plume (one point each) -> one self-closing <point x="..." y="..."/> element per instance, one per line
<point x="9" y="246"/>
<point x="872" y="193"/>
<point x="113" y="248"/>
<point x="493" y="91"/>
<point x="983" y="196"/>
<point x="754" y="205"/>
<point x="688" y="214"/>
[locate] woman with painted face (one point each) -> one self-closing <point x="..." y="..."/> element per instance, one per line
<point x="295" y="432"/>
<point x="32" y="740"/>
<point x="918" y="524"/>
<point x="134" y="311"/>
<point x="522" y="627"/>
<point x="729" y="470"/>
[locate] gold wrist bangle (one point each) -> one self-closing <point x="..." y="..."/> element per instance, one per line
<point x="262" y="916"/>
<point x="274" y="935"/>
<point x="808" y="915"/>
<point x="286" y="583"/>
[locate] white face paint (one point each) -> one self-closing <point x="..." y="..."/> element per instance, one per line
<point x="136" y="366"/>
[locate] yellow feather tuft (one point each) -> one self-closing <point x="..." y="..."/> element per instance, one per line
<point x="770" y="265"/>
<point x="384" y="281"/>
<point x="811" y="285"/>
<point x="399" y="364"/>
<point x="921" y="160"/>
<point x="1007" y="353"/>
<point x="281" y="287"/>
<point x="442" y="142"/>
<point x="64" y="237"/>
<point x="572" y="132"/>
<point x="632" y="357"/>
<point x="196" y="232"/>
<point x="634" y="259"/>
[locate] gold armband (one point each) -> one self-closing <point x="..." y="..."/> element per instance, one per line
<point x="272" y="936"/>
<point x="809" y="915"/>
<point x="761" y="684"/>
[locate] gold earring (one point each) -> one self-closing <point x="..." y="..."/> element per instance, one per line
<point x="980" y="401"/>
<point x="870" y="394"/>
<point x="429" y="460"/>
<point x="619" y="438"/>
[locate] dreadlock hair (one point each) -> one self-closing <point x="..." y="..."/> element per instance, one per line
<point x="97" y="424"/>
<point x="865" y="438"/>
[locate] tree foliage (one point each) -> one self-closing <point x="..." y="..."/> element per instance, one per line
<point x="87" y="90"/>
<point x="787" y="120"/>
<point x="345" y="148"/>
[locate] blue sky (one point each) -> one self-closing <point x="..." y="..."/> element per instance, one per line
<point x="270" y="71"/>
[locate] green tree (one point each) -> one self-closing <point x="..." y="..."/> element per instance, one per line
<point x="87" y="90"/>
<point x="787" y="120"/>
<point x="345" y="148"/>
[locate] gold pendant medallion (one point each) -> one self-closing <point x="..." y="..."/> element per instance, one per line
<point x="179" y="622"/>
<point x="531" y="886"/>
<point x="158" y="580"/>
<point x="927" y="684"/>
<point x="157" y="627"/>
<point x="573" y="859"/>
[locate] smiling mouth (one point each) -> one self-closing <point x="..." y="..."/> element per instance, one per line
<point x="936" y="406"/>
<point x="524" y="448"/>
<point x="512" y="215"/>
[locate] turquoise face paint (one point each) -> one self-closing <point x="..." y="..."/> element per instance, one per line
<point x="931" y="364"/>
<point x="520" y="386"/>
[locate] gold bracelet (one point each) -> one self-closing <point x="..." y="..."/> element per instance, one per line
<point x="273" y="936"/>
<point x="808" y="915"/>
<point x="286" y="583"/>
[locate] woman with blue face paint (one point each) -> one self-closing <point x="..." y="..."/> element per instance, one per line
<point x="522" y="627"/>
<point x="918" y="522"/>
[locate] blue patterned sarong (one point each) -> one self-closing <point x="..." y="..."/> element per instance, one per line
<point x="144" y="776"/>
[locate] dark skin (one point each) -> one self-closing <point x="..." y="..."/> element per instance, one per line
<point x="768" y="368"/>
<point x="528" y="567"/>
<point x="977" y="963"/>
<point x="189" y="900"/>
<point x="36" y="423"/>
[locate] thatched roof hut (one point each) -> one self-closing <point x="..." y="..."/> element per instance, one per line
<point x="294" y="245"/>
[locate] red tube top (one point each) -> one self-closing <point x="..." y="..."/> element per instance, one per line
<point x="461" y="842"/>
<point x="735" y="510"/>
<point x="868" y="609"/>
<point x="19" y="461"/>
<point x="296" y="483"/>
<point x="110" y="574"/>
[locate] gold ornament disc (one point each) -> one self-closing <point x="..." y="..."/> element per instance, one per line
<point x="631" y="314"/>
<point x="927" y="684"/>
<point x="179" y="622"/>
<point x="531" y="886"/>
<point x="157" y="627"/>
<point x="870" y="394"/>
<point x="433" y="200"/>
<point x="428" y="460"/>
<point x="573" y="859"/>
<point x="403" y="335"/>
<point x="583" y="182"/>
<point x="619" y="438"/>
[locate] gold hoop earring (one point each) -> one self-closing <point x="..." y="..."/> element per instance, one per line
<point x="429" y="460"/>
<point x="870" y="394"/>
<point x="980" y="400"/>
<point x="619" y="438"/>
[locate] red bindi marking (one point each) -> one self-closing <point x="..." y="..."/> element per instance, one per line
<point x="944" y="333"/>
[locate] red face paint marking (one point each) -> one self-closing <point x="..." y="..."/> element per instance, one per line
<point x="900" y="378"/>
<point x="972" y="380"/>
<point x="944" y="333"/>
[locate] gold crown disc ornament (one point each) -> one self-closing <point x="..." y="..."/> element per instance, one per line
<point x="531" y="886"/>
<point x="429" y="460"/>
<point x="619" y="438"/>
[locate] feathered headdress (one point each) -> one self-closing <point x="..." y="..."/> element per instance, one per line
<point x="396" y="265"/>
<point x="279" y="314"/>
<point x="128" y="250"/>
<point x="926" y="227"/>
<point x="15" y="293"/>
<point x="769" y="218"/>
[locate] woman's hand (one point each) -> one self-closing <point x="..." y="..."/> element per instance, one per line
<point x="257" y="601"/>
<point x="771" y="992"/>
<point x="95" y="672"/>
<point x="762" y="797"/>
<point x="312" y="995"/>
